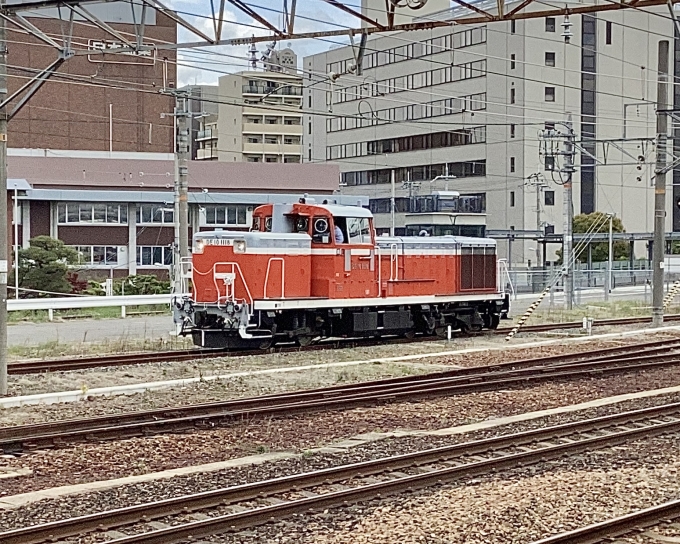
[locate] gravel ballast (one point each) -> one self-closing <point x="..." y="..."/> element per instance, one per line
<point x="96" y="461"/>
<point x="513" y="507"/>
<point x="152" y="372"/>
<point x="210" y="391"/>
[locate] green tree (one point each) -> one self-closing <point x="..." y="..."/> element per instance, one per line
<point x="43" y="266"/>
<point x="585" y="222"/>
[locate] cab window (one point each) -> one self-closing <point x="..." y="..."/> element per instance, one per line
<point x="359" y="231"/>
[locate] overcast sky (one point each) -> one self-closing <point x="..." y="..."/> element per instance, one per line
<point x="312" y="15"/>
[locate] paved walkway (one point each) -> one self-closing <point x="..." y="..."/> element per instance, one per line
<point x="89" y="330"/>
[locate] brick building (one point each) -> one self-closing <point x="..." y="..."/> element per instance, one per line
<point x="74" y="108"/>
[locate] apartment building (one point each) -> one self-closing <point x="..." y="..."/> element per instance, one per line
<point x="260" y="114"/>
<point x="460" y="109"/>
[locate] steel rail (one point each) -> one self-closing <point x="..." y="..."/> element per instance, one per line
<point x="605" y="531"/>
<point x="378" y="490"/>
<point x="593" y="355"/>
<point x="124" y="516"/>
<point x="127" y="425"/>
<point x="81" y="363"/>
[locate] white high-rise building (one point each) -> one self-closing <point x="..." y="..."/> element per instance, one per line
<point x="260" y="113"/>
<point x="469" y="102"/>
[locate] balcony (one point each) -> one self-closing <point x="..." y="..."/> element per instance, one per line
<point x="283" y="90"/>
<point x="265" y="128"/>
<point x="207" y="154"/>
<point x="208" y="134"/>
<point x="273" y="149"/>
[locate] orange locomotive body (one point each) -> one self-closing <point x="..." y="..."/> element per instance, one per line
<point x="307" y="271"/>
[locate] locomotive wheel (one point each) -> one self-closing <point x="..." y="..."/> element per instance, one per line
<point x="472" y="329"/>
<point x="265" y="343"/>
<point x="442" y="332"/>
<point x="304" y="341"/>
<point x="492" y="321"/>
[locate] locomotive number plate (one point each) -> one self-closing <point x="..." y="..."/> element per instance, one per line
<point x="218" y="242"/>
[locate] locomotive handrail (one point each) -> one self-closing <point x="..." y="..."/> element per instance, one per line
<point x="283" y="276"/>
<point x="234" y="267"/>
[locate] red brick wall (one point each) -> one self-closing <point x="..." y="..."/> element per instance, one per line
<point x="69" y="116"/>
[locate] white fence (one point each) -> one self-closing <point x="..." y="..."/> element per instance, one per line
<point x="68" y="303"/>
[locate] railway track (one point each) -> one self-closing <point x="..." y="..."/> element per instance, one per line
<point x="256" y="503"/>
<point x="650" y="355"/>
<point x="607" y="531"/>
<point x="81" y="363"/>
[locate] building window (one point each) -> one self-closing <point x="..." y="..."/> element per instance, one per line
<point x="310" y="128"/>
<point x="310" y="155"/>
<point x="550" y="24"/>
<point x="608" y="33"/>
<point x="435" y="140"/>
<point x="97" y="255"/>
<point x="512" y="61"/>
<point x="513" y="26"/>
<point x="310" y="100"/>
<point x="512" y="95"/>
<point x="549" y="59"/>
<point x="233" y="215"/>
<point x="549" y="198"/>
<point x="550" y="163"/>
<point x="550" y="94"/>
<point x="512" y="131"/>
<point x="291" y="159"/>
<point x="271" y="139"/>
<point x="149" y="214"/>
<point x="424" y="172"/>
<point x="87" y="212"/>
<point x="512" y="199"/>
<point x="154" y="255"/>
<point x="512" y="164"/>
<point x="291" y="140"/>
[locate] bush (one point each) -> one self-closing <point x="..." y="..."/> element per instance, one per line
<point x="143" y="284"/>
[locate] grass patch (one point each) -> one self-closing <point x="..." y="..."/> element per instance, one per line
<point x="113" y="312"/>
<point x="596" y="310"/>
<point x="118" y="345"/>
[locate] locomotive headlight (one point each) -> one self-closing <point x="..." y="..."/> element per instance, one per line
<point x="239" y="246"/>
<point x="198" y="246"/>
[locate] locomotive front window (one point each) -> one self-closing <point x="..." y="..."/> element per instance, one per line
<point x="359" y="231"/>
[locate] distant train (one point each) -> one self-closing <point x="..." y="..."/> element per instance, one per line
<point x="307" y="271"/>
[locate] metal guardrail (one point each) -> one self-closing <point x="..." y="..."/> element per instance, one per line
<point x="70" y="303"/>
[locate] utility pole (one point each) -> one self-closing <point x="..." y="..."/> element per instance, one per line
<point x="537" y="181"/>
<point x="181" y="189"/>
<point x="4" y="242"/>
<point x="608" y="284"/>
<point x="660" y="186"/>
<point x="551" y="140"/>
<point x="568" y="239"/>
<point x="392" y="203"/>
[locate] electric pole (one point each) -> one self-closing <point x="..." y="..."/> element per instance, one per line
<point x="568" y="240"/>
<point x="4" y="242"/>
<point x="537" y="181"/>
<point x="551" y="140"/>
<point x="660" y="186"/>
<point x="181" y="189"/>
